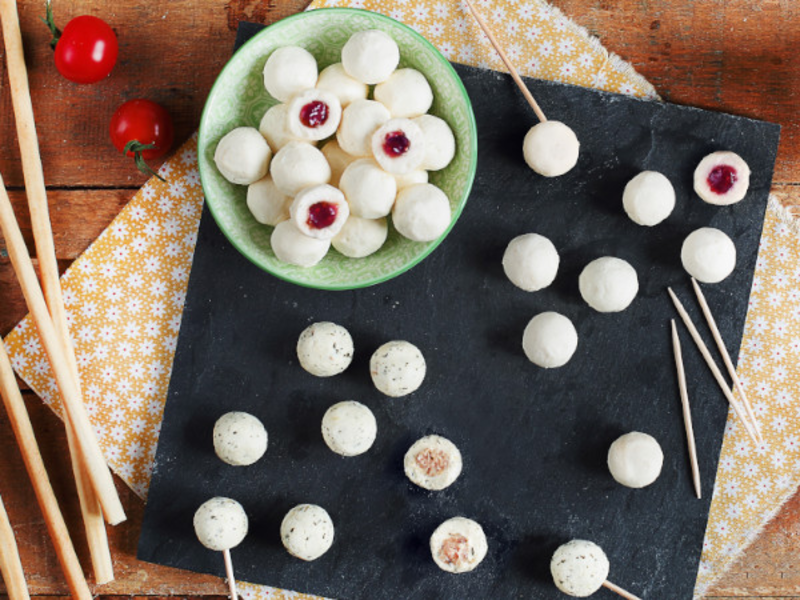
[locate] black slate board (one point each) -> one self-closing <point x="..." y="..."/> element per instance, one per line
<point x="534" y="441"/>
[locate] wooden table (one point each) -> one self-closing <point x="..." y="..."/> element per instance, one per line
<point x="737" y="56"/>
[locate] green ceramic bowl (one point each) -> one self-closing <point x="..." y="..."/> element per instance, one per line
<point x="238" y="98"/>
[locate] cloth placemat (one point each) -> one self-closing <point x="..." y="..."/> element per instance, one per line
<point x="125" y="294"/>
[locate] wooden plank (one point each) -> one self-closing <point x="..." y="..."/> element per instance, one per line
<point x="736" y="56"/>
<point x="169" y="52"/>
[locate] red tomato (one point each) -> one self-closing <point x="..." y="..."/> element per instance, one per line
<point x="142" y="129"/>
<point x="87" y="50"/>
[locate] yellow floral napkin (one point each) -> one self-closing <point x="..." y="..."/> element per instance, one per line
<point x="125" y="294"/>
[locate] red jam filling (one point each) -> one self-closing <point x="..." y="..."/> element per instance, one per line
<point x="322" y="215"/>
<point x="432" y="462"/>
<point x="314" y="114"/>
<point x="454" y="550"/>
<point x="721" y="179"/>
<point x="396" y="143"/>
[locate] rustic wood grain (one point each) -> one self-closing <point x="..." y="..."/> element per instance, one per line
<point x="737" y="56"/>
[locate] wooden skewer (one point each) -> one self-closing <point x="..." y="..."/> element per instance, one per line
<point x="10" y="564"/>
<point x="618" y="590"/>
<point x="94" y="501"/>
<point x="726" y="357"/>
<point x="712" y="365"/>
<point x="96" y="466"/>
<point x="226" y="555"/>
<point x="687" y="415"/>
<point x="56" y="527"/>
<point x="504" y="57"/>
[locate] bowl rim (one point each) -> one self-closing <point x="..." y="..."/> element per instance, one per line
<point x="473" y="149"/>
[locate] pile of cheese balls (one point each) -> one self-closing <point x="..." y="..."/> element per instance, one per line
<point x="345" y="148"/>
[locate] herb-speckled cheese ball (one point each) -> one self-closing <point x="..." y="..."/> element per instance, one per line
<point x="349" y="428"/>
<point x="239" y="438"/>
<point x="220" y="524"/>
<point x="579" y="568"/>
<point x="397" y="368"/>
<point x="325" y="349"/>
<point x="458" y="545"/>
<point x="307" y="531"/>
<point x="433" y="462"/>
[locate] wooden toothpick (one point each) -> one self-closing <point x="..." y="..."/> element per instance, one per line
<point x="509" y="65"/>
<point x="687" y="415"/>
<point x="726" y="357"/>
<point x="712" y="365"/>
<point x="226" y="555"/>
<point x="618" y="590"/>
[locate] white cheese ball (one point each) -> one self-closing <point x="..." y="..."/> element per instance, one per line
<point x="307" y="531"/>
<point x="314" y="115"/>
<point x="370" y="56"/>
<point x="266" y="202"/>
<point x="338" y="160"/>
<point x="708" y="255"/>
<point x="288" y="71"/>
<point x="325" y="349"/>
<point x="359" y="121"/>
<point x="421" y="212"/>
<point x="458" y="545"/>
<point x="299" y="165"/>
<point x="399" y="146"/>
<point x="242" y="156"/>
<point x="531" y="262"/>
<point x="397" y="368"/>
<point x="320" y="211"/>
<point x="334" y="79"/>
<point x="551" y="148"/>
<point x="549" y="340"/>
<point x="440" y="143"/>
<point x="608" y="284"/>
<point x="406" y="93"/>
<point x="349" y="428"/>
<point x="220" y="524"/>
<point x="635" y="459"/>
<point x="433" y="462"/>
<point x="648" y="198"/>
<point x="274" y="127"/>
<point x="292" y="246"/>
<point x="239" y="438"/>
<point x="579" y="568"/>
<point x="411" y="178"/>
<point x="369" y="190"/>
<point x="361" y="237"/>
<point x="722" y="178"/>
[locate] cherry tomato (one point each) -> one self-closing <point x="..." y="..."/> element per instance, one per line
<point x="142" y="129"/>
<point x="86" y="51"/>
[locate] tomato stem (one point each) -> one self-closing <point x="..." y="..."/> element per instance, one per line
<point x="137" y="147"/>
<point x="50" y="21"/>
